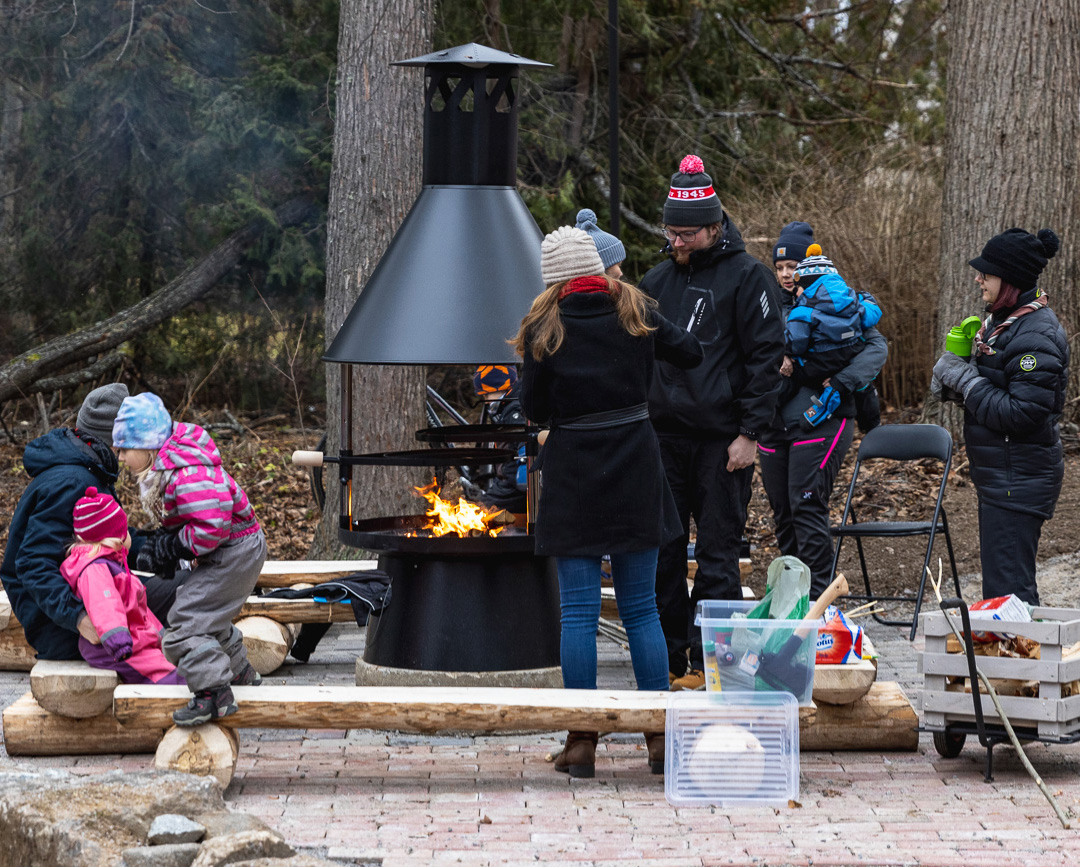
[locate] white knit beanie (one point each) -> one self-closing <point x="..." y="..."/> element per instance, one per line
<point x="568" y="252"/>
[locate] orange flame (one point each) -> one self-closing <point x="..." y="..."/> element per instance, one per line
<point x="464" y="518"/>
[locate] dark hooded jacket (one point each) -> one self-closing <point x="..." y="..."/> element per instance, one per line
<point x="1011" y="414"/>
<point x="730" y="302"/>
<point x="63" y="465"/>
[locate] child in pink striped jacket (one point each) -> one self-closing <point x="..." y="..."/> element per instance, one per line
<point x="207" y="521"/>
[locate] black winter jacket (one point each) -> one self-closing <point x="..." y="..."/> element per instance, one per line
<point x="63" y="466"/>
<point x="730" y="302"/>
<point x="1011" y="414"/>
<point x="604" y="491"/>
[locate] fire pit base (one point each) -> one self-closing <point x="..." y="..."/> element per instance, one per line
<point x="495" y="614"/>
<point x="381" y="675"/>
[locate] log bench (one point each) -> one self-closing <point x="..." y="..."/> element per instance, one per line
<point x="140" y="716"/>
<point x="882" y="720"/>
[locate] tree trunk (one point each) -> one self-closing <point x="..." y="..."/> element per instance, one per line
<point x="1013" y="136"/>
<point x="378" y="157"/>
<point x="11" y="112"/>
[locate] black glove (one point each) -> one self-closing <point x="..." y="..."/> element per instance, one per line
<point x="162" y="553"/>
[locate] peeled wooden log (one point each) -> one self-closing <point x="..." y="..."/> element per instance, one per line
<point x="30" y="730"/>
<point x="72" y="688"/>
<point x="883" y="719"/>
<point x="267" y="642"/>
<point x="15" y="653"/>
<point x="205" y="751"/>
<point x="286" y="573"/>
<point x="297" y="610"/>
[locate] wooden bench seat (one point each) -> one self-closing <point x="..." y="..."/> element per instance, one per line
<point x="882" y="719"/>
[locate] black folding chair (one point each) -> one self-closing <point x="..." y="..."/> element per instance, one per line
<point x="899" y="442"/>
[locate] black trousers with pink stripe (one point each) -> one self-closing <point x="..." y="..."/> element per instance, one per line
<point x="798" y="470"/>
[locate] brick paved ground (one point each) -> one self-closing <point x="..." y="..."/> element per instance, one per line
<point x="364" y="797"/>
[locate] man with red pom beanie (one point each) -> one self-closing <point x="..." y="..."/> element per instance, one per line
<point x="708" y="419"/>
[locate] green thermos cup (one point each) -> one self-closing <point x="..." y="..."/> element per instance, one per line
<point x="960" y="337"/>
<point x="958" y="341"/>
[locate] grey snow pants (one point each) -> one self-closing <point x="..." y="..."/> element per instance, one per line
<point x="201" y="640"/>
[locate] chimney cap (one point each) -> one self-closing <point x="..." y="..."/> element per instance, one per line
<point x="471" y="54"/>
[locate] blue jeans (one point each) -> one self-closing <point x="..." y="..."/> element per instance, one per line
<point x="634" y="576"/>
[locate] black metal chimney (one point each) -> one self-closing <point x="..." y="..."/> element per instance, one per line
<point x="465" y="265"/>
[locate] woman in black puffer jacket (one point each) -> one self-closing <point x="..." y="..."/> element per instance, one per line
<point x="1013" y="392"/>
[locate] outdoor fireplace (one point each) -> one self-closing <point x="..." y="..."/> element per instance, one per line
<point x="454" y="284"/>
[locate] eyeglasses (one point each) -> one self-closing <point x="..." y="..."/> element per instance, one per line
<point x="686" y="237"/>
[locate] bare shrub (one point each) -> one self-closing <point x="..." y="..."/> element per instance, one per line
<point x="880" y="225"/>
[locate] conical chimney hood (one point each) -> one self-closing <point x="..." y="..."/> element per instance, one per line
<point x="464" y="267"/>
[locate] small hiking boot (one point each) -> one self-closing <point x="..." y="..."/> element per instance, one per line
<point x="205" y="705"/>
<point x="693" y="679"/>
<point x="248" y="676"/>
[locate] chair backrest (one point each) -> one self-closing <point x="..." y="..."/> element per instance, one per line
<point x="907" y="442"/>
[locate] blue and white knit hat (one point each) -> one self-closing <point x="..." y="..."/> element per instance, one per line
<point x="813" y="266"/>
<point x="610" y="248"/>
<point x="142" y="423"/>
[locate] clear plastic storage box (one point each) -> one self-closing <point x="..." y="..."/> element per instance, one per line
<point x="731" y="749"/>
<point x="756" y="655"/>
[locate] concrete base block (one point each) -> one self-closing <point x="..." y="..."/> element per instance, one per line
<point x="381" y="675"/>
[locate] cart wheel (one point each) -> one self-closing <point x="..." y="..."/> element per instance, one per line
<point x="949" y="744"/>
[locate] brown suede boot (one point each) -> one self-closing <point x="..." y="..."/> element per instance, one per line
<point x="654" y="742"/>
<point x="578" y="756"/>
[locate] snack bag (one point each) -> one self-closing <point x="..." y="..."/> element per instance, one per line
<point x="1009" y="607"/>
<point x="839" y="640"/>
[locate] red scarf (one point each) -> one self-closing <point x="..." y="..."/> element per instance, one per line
<point x="584" y="284"/>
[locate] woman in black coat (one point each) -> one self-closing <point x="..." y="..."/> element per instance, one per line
<point x="1013" y="393"/>
<point x="588" y="346"/>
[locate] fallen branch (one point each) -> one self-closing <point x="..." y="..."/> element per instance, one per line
<point x="77" y="377"/>
<point x="21" y="375"/>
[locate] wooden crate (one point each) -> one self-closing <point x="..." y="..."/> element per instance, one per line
<point x="1050" y="713"/>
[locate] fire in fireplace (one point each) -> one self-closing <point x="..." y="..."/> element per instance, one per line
<point x="462" y="518"/>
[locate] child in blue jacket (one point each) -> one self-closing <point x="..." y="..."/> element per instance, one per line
<point x="824" y="330"/>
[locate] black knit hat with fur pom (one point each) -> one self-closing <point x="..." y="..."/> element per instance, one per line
<point x="1017" y="257"/>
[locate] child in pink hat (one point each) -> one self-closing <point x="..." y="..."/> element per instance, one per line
<point x="115" y="600"/>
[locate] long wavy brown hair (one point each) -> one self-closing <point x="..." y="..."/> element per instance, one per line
<point x="542" y="328"/>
